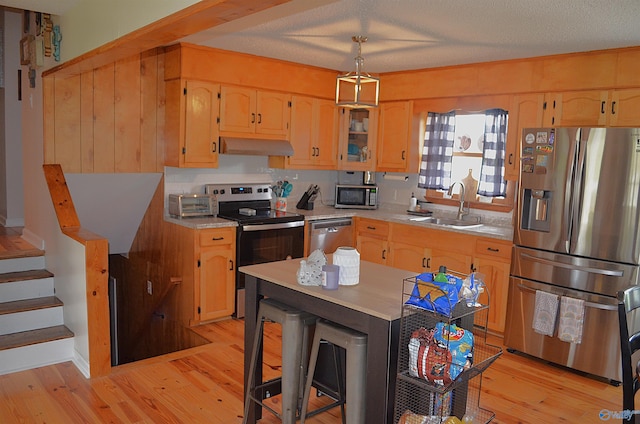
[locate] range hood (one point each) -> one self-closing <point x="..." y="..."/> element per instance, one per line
<point x="254" y="146"/>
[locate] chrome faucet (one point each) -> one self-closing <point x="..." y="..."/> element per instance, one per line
<point x="461" y="211"/>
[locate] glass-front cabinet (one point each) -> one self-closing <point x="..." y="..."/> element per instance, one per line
<point x="358" y="128"/>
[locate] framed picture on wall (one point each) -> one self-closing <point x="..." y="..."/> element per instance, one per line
<point x="27" y="46"/>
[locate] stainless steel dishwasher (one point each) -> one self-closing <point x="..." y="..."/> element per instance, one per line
<point x="329" y="234"/>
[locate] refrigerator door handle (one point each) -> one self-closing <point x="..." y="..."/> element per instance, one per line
<point x="569" y="195"/>
<point x="586" y="304"/>
<point x="577" y="197"/>
<point x="616" y="273"/>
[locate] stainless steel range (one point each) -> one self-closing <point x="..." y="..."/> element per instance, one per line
<point x="263" y="234"/>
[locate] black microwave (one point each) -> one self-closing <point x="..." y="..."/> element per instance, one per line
<point x="356" y="196"/>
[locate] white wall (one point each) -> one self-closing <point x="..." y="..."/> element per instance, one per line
<point x="11" y="182"/>
<point x="64" y="257"/>
<point x="90" y="23"/>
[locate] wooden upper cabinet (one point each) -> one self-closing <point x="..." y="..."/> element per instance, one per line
<point x="192" y="111"/>
<point x="250" y="111"/>
<point x="595" y="108"/>
<point x="314" y="134"/>
<point x="358" y="135"/>
<point x="576" y="108"/>
<point x="526" y="111"/>
<point x="237" y="109"/>
<point x="394" y="137"/>
<point x="328" y="121"/>
<point x="623" y="108"/>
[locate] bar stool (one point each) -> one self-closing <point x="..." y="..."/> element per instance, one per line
<point x="295" y="341"/>
<point x="355" y="345"/>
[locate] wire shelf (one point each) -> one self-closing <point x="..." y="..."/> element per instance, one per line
<point x="434" y="399"/>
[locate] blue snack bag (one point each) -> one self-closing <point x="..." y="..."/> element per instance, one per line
<point x="460" y="344"/>
<point x="437" y="296"/>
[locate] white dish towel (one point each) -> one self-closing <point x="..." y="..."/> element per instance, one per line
<point x="545" y="313"/>
<point x="571" y="320"/>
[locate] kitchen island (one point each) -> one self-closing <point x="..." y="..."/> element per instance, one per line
<point x="372" y="307"/>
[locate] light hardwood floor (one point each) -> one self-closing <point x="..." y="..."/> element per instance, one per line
<point x="205" y="385"/>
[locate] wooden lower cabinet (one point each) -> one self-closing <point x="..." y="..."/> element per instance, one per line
<point x="420" y="249"/>
<point x="493" y="259"/>
<point x="409" y="256"/>
<point x="215" y="273"/>
<point x="371" y="240"/>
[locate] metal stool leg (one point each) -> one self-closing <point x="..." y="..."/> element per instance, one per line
<point x="355" y="345"/>
<point x="295" y="326"/>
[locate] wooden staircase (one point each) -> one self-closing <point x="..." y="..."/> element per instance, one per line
<point x="32" y="330"/>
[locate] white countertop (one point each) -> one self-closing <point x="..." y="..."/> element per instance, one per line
<point x="498" y="229"/>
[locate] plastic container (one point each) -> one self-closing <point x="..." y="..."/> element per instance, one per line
<point x="441" y="276"/>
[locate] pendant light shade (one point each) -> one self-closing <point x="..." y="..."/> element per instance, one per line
<point x="357" y="89"/>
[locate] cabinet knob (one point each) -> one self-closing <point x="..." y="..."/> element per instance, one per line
<point x="230" y="265"/>
<point x="384" y="253"/>
<point x="259" y="118"/>
<point x="613" y="108"/>
<point x="217" y="238"/>
<point x="253" y="118"/>
<point x="602" y="107"/>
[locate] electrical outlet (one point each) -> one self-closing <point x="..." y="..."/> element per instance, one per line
<point x="149" y="287"/>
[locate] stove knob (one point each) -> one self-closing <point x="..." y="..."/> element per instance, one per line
<point x="215" y="191"/>
<point x="222" y="191"/>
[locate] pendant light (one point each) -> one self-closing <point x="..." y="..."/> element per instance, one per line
<point x="357" y="89"/>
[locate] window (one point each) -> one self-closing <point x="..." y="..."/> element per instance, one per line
<point x="468" y="148"/>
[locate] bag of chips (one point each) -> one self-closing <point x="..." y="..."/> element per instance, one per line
<point x="437" y="296"/>
<point x="459" y="342"/>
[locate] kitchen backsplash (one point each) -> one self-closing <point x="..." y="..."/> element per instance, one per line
<point x="395" y="190"/>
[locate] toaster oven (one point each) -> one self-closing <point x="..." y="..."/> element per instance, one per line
<point x="192" y="205"/>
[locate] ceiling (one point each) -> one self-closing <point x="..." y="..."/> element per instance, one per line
<point x="415" y="34"/>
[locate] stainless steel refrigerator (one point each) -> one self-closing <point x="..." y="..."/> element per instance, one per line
<point x="576" y="236"/>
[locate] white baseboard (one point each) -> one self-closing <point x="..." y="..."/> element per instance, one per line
<point x="12" y="222"/>
<point x="82" y="364"/>
<point x="33" y="239"/>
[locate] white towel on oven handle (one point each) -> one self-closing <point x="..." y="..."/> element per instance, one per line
<point x="571" y="320"/>
<point x="545" y="313"/>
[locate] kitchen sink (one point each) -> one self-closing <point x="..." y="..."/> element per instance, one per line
<point x="447" y="222"/>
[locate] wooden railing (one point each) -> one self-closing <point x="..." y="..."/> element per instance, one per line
<point x="96" y="266"/>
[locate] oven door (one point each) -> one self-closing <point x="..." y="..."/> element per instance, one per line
<point x="260" y="243"/>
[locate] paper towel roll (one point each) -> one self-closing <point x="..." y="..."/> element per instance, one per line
<point x="348" y="259"/>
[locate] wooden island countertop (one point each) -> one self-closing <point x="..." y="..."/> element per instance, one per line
<point x="379" y="292"/>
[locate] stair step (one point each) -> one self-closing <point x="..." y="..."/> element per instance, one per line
<point x="29" y="305"/>
<point x="22" y="263"/>
<point x="34" y="274"/>
<point x="26" y="285"/>
<point x="30" y="314"/>
<point x="41" y="335"/>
